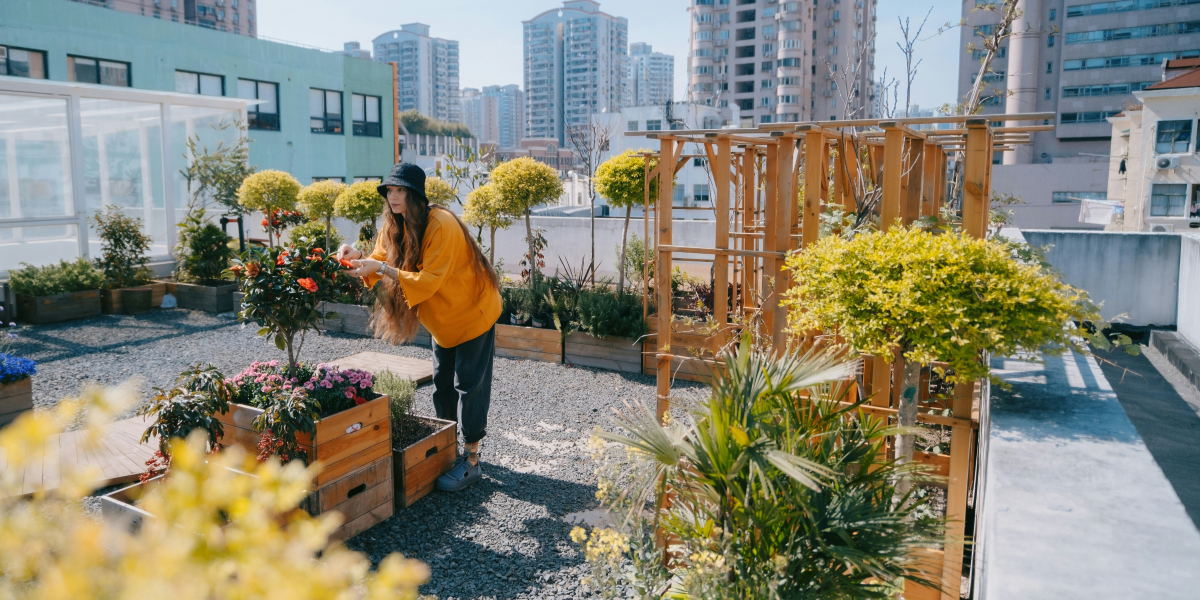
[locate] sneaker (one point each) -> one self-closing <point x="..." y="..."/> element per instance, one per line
<point x="460" y="476"/>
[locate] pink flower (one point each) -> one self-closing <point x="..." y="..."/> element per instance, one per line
<point x="364" y="384"/>
<point x="309" y="386"/>
<point x="349" y="392"/>
<point x="273" y="363"/>
<point x="326" y="384"/>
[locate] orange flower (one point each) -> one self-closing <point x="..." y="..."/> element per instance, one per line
<point x="252" y="269"/>
<point x="308" y="284"/>
<point x="318" y="251"/>
<point x="279" y="259"/>
<point x="236" y="269"/>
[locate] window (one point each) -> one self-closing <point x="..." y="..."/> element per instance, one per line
<point x="337" y="179"/>
<point x="1064" y="197"/>
<point x="653" y="125"/>
<point x="789" y="62"/>
<point x="199" y="83"/>
<point x="367" y="178"/>
<point x="1049" y="67"/>
<point x="94" y="70"/>
<point x="746" y="104"/>
<point x="1173" y="137"/>
<point x="1053" y="14"/>
<point x="325" y="111"/>
<point x="744" y="69"/>
<point x="677" y="195"/>
<point x="743" y="52"/>
<point x="1128" y="33"/>
<point x="789" y="81"/>
<point x="704" y="34"/>
<point x="1047" y="93"/>
<point x="631" y="126"/>
<point x="265" y="114"/>
<point x="699" y="162"/>
<point x="767" y="84"/>
<point x="1086" y="117"/>
<point x="1104" y="8"/>
<point x="364" y="112"/>
<point x="1050" y="41"/>
<point x="745" y="34"/>
<point x="700" y="193"/>
<point x="1132" y="60"/>
<point x="1168" y="199"/>
<point x="745" y="16"/>
<point x="19" y="62"/>
<point x="1116" y="89"/>
<point x="766" y="66"/>
<point x="743" y="87"/>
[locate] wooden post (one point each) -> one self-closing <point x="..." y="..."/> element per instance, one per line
<point x="645" y="236"/>
<point x="662" y="278"/>
<point x="914" y="173"/>
<point x="770" y="200"/>
<point x="846" y="175"/>
<point x="893" y="175"/>
<point x="720" y="171"/>
<point x="395" y="113"/>
<point x="814" y="176"/>
<point x="785" y="214"/>
<point x="956" y="491"/>
<point x="929" y="179"/>
<point x="749" y="218"/>
<point x="977" y="160"/>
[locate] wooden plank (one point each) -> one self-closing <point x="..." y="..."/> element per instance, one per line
<point x="364" y="499"/>
<point x="16" y="389"/>
<point x="551" y="347"/>
<point x="350" y="446"/>
<point x="976" y="161"/>
<point x="446" y="437"/>
<point x="720" y="170"/>
<point x="33" y="471"/>
<point x="418" y="370"/>
<point x="663" y="237"/>
<point x="528" y="354"/>
<point x="331" y="472"/>
<point x="957" y="490"/>
<point x="340" y="490"/>
<point x="334" y="426"/>
<point x="516" y="332"/>
<point x="893" y="171"/>
<point x="815" y="170"/>
<point x="363" y="523"/>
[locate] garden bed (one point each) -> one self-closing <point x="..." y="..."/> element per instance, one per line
<point x="612" y="353"/>
<point x="427" y="450"/>
<point x="514" y="341"/>
<point x="111" y="302"/>
<point x="15" y="399"/>
<point x="208" y="298"/>
<point x="55" y="308"/>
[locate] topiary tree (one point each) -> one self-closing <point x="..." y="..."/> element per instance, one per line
<point x="269" y="192"/>
<point x="361" y="203"/>
<point x="622" y="180"/>
<point x="313" y="235"/>
<point x="485" y="208"/>
<point x="439" y="192"/>
<point x="318" y="200"/>
<point x="124" y="248"/>
<point x="932" y="297"/>
<point x="524" y="183"/>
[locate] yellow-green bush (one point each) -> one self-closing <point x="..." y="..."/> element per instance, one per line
<point x="268" y="191"/>
<point x="214" y="535"/>
<point x="439" y="192"/>
<point x="362" y="204"/>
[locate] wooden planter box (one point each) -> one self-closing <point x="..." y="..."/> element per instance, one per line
<point x="685" y="341"/>
<point x="612" y="353"/>
<point x="111" y="304"/>
<point x="209" y="298"/>
<point x="528" y="342"/>
<point x="15" y="398"/>
<point x="363" y="497"/>
<point x="55" y="308"/>
<point x="419" y="465"/>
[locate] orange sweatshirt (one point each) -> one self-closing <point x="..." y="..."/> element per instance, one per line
<point x="450" y="300"/>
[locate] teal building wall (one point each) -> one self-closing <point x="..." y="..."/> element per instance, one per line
<point x="156" y="48"/>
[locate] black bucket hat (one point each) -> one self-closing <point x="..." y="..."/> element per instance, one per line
<point x="408" y="175"/>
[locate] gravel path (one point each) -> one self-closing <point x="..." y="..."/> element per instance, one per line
<point x="505" y="537"/>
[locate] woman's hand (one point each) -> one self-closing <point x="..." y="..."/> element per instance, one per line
<point x="364" y="267"/>
<point x="348" y="252"/>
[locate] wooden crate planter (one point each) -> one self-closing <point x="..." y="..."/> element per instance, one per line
<point x="209" y="298"/>
<point x="39" y="310"/>
<point x="363" y="497"/>
<point x="612" y="353"/>
<point x="528" y="342"/>
<point x="15" y="399"/>
<point x="110" y="300"/>
<point x="685" y="341"/>
<point x="420" y="464"/>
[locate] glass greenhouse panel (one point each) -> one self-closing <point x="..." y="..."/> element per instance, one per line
<point x="35" y="158"/>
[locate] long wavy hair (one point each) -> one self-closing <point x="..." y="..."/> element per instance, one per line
<point x="403" y="238"/>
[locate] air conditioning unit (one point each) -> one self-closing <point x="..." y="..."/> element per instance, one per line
<point x="1167" y="162"/>
<point x="1162" y="229"/>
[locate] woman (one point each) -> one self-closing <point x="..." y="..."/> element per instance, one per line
<point x="433" y="272"/>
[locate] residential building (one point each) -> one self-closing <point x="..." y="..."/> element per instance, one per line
<point x="481" y="114"/>
<point x="510" y="106"/>
<point x="652" y="75"/>
<point x="311" y="113"/>
<point x="1083" y="61"/>
<point x="783" y="61"/>
<point x="427" y="70"/>
<point x="1154" y="171"/>
<point x="545" y="150"/>
<point x="576" y="65"/>
<point x="354" y="50"/>
<point x="233" y="16"/>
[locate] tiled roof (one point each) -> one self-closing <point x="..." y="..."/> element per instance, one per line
<point x="1187" y="80"/>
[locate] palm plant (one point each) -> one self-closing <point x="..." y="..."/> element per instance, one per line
<point x="772" y="488"/>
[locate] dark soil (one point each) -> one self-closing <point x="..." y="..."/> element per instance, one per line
<point x="406" y="432"/>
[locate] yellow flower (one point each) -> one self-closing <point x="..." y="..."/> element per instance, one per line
<point x="578" y="535"/>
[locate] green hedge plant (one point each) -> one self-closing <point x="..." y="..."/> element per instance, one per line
<point x="61" y="278"/>
<point x="123" y="249"/>
<point x="203" y="250"/>
<point x="603" y="313"/>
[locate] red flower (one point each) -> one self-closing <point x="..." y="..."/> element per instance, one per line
<point x="318" y="251"/>
<point x="308" y="284"/>
<point x="252" y="269"/>
<point x="264" y="221"/>
<point x="359" y="400"/>
<point x="237" y="270"/>
<point x="346" y="263"/>
<point x="279" y="260"/>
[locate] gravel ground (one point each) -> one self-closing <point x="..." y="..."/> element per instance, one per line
<point x="505" y="537"/>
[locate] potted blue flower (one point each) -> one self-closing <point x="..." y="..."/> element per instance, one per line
<point x="16" y="383"/>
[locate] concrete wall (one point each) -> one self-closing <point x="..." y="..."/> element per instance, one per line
<point x="1136" y="274"/>
<point x="1189" y="289"/>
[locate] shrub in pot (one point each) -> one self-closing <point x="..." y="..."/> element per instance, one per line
<point x="318" y="201"/>
<point x="57" y="292"/>
<point x="203" y="256"/>
<point x="423" y="448"/>
<point x="16" y="386"/>
<point x="123" y="257"/>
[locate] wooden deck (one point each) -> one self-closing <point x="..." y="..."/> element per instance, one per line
<point x="418" y="370"/>
<point x="120" y="456"/>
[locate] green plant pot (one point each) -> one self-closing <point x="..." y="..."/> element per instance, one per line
<point x="137" y="300"/>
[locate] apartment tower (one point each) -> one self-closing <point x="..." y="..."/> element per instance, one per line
<point x="652" y="75"/>
<point x="1083" y="61"/>
<point x="481" y="115"/>
<point x="783" y="61"/>
<point x="510" y="105"/>
<point x="234" y="16"/>
<point x="427" y="69"/>
<point x="576" y="64"/>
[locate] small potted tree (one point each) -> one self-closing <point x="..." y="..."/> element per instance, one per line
<point x="362" y="204"/>
<point x="57" y="292"/>
<point x="317" y="201"/>
<point x="273" y="193"/>
<point x="622" y="180"/>
<point x="203" y="256"/>
<point x="439" y="191"/>
<point x="123" y="260"/>
<point x="485" y="209"/>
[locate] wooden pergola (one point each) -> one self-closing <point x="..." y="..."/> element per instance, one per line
<point x="756" y="173"/>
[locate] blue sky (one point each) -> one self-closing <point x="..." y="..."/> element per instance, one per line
<point x="489" y="33"/>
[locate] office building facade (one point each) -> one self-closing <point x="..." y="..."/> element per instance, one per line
<point x="652" y="75"/>
<point x="427" y="71"/>
<point x="783" y="61"/>
<point x="576" y="65"/>
<point x="1082" y="61"/>
<point x="510" y="107"/>
<point x="232" y="16"/>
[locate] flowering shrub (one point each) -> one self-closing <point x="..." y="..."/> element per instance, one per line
<point x="15" y="368"/>
<point x="278" y="220"/>
<point x="284" y="287"/>
<point x="329" y="389"/>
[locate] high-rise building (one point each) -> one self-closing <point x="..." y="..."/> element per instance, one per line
<point x="481" y="115"/>
<point x="354" y="50"/>
<point x="510" y="106"/>
<point x="427" y="70"/>
<point x="234" y="16"/>
<point x="783" y="61"/>
<point x="652" y="75"/>
<point x="1082" y="61"/>
<point x="576" y="65"/>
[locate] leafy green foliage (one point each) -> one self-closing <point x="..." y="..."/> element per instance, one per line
<point x="285" y="416"/>
<point x="524" y="183"/>
<point x="778" y="491"/>
<point x="312" y="235"/>
<point x="939" y="297"/>
<point x="622" y="180"/>
<point x="217" y="174"/>
<point x="200" y="393"/>
<point x="284" y="287"/>
<point x="318" y="202"/>
<point x="75" y="276"/>
<point x="204" y="252"/>
<point x="362" y="204"/>
<point x="439" y="192"/>
<point x="123" y="249"/>
<point x="419" y="124"/>
<point x="268" y="191"/>
<point x="635" y="259"/>
<point x="603" y="313"/>
<point x="401" y="393"/>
